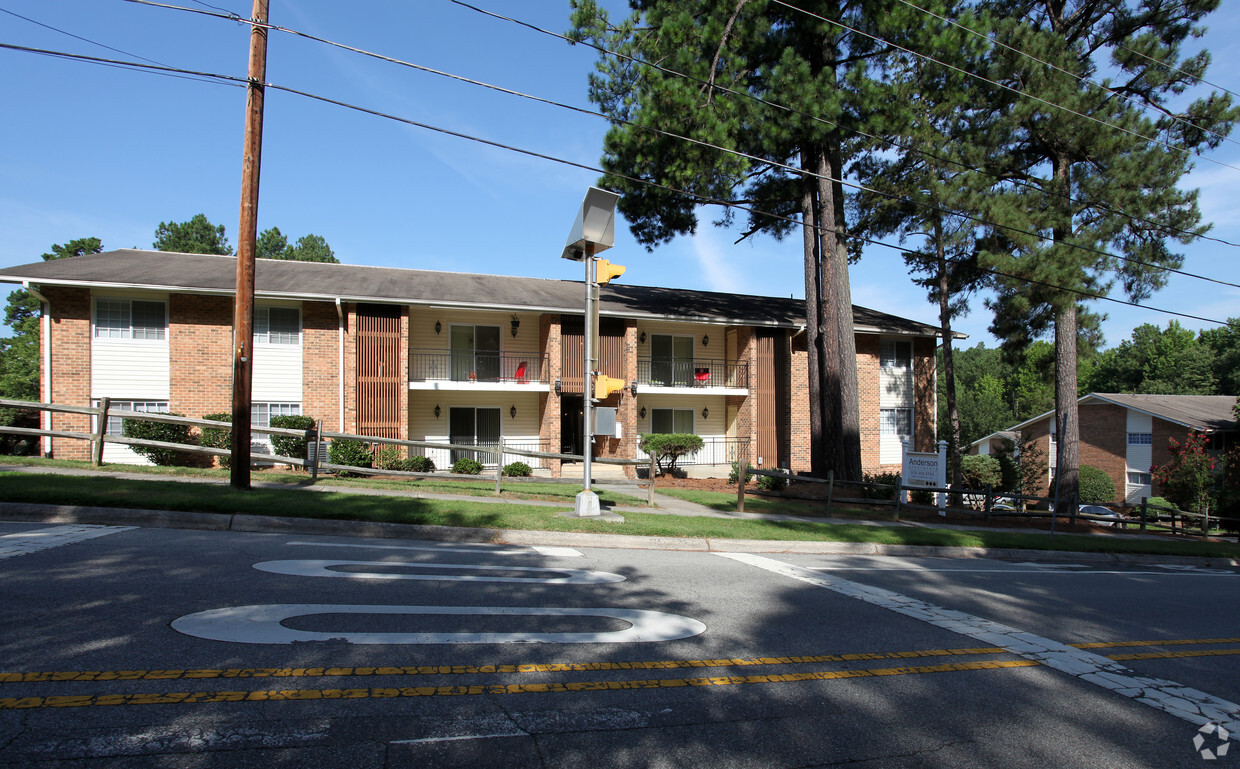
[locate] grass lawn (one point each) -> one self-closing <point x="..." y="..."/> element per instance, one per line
<point x="171" y="495"/>
<point x="725" y="501"/>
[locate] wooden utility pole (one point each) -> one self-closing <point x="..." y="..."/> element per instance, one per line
<point x="243" y="303"/>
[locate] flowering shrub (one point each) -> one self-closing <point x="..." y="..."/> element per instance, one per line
<point x="1187" y="478"/>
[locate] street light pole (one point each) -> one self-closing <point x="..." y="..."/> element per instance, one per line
<point x="587" y="381"/>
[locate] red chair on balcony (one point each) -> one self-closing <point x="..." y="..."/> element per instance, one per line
<point x="520" y="373"/>
<point x="702" y="375"/>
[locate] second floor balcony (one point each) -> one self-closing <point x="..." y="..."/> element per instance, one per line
<point x="696" y="374"/>
<point x="459" y="370"/>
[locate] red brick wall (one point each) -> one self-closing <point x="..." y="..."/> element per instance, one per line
<point x="1104" y="442"/>
<point x="1039" y="433"/>
<point x="200" y="354"/>
<point x="925" y="418"/>
<point x="868" y="364"/>
<point x="69" y="313"/>
<point x="1163" y="433"/>
<point x="549" y="404"/>
<point x="320" y="356"/>
<point x="798" y="396"/>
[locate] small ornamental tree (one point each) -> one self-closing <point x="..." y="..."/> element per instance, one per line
<point x="669" y="447"/>
<point x="1187" y="478"/>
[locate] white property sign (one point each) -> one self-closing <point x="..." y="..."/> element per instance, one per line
<point x="922" y="468"/>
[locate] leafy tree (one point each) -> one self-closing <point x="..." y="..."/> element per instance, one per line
<point x="1169" y="361"/>
<point x="1187" y="477"/>
<point x="1224" y="343"/>
<point x="669" y="447"/>
<point x="19" y="354"/>
<point x="1097" y="488"/>
<point x="271" y="244"/>
<point x="197" y="236"/>
<point x="698" y="69"/>
<point x="1109" y="198"/>
<point x="312" y="248"/>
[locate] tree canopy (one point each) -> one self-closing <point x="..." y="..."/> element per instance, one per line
<point x="196" y="236"/>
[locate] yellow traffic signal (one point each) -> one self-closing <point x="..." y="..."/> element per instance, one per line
<point x="604" y="271"/>
<point x="605" y="385"/>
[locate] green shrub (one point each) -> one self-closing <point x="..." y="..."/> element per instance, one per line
<point x="734" y="476"/>
<point x="218" y="437"/>
<point x="344" y="451"/>
<point x="669" y="447"/>
<point x="886" y="491"/>
<point x="1158" y="502"/>
<point x="389" y="458"/>
<point x="158" y="431"/>
<point x="419" y="465"/>
<point x="289" y="445"/>
<point x="466" y="466"/>
<point x="770" y="483"/>
<point x="921" y="497"/>
<point x="1096" y="487"/>
<point x="980" y="470"/>
<point x="518" y="470"/>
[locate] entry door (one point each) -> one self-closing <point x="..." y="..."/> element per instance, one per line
<point x="473" y="427"/>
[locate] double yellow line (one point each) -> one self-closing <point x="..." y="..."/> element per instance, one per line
<point x="175" y="698"/>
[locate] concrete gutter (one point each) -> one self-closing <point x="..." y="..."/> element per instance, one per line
<point x="260" y="524"/>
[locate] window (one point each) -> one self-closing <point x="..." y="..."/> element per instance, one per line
<point x="1140" y="479"/>
<point x="1140" y="439"/>
<point x="671" y="360"/>
<point x="475" y="353"/>
<point x="277" y="325"/>
<point x="896" y="423"/>
<point x="896" y="356"/>
<point x="261" y="413"/>
<point x="671" y="420"/>
<point x="473" y="427"/>
<point x="115" y="423"/>
<point x="129" y="319"/>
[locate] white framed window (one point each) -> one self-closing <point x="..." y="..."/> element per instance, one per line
<point x="261" y="413"/>
<point x="671" y="360"/>
<point x="896" y="356"/>
<point x="1140" y="439"/>
<point x="896" y="423"/>
<point x="277" y="325"/>
<point x="130" y="319"/>
<point x="671" y="420"/>
<point x="1140" y="479"/>
<point x="114" y="426"/>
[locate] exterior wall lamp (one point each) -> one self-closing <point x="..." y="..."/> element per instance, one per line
<point x="642" y="338"/>
<point x="642" y="413"/>
<point x="438" y="328"/>
<point x="633" y="389"/>
<point x="437" y="411"/>
<point x="557" y="385"/>
<point x="516" y="324"/>
<point x="512" y="412"/>
<point x="705" y="340"/>
<point x="705" y="413"/>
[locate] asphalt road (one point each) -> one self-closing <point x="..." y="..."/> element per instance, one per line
<point x="129" y="647"/>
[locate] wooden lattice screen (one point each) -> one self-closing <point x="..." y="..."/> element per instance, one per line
<point x="380" y="379"/>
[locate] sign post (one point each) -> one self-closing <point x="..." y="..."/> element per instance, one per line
<point x="924" y="468"/>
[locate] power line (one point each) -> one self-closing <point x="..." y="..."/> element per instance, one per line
<point x="1057" y="68"/>
<point x="1179" y="71"/>
<point x="582" y="166"/>
<point x="1026" y="94"/>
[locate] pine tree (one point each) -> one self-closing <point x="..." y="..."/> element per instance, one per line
<point x="702" y="69"/>
<point x="1095" y="149"/>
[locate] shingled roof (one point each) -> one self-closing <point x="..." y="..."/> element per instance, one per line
<point x="210" y="274"/>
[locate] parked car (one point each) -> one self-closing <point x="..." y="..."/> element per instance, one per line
<point x="1104" y="516"/>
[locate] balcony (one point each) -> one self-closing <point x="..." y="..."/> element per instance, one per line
<point x="720" y="377"/>
<point x="447" y="370"/>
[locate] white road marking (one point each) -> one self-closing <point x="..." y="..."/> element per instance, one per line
<point x="261" y="624"/>
<point x="26" y="542"/>
<point x="322" y="568"/>
<point x="1031" y="571"/>
<point x="551" y="552"/>
<point x="1192" y="705"/>
<point x="458" y="739"/>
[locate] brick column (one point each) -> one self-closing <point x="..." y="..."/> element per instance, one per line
<point x="69" y="314"/>
<point x="626" y="414"/>
<point x="549" y="423"/>
<point x="320" y="362"/>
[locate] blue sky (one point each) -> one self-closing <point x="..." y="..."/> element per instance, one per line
<point x="99" y="151"/>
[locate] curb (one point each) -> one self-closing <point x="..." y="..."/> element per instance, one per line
<point x="259" y="524"/>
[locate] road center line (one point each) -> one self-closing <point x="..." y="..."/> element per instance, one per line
<point x="1192" y="705"/>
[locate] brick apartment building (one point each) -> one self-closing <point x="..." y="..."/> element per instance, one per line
<point x="1125" y="435"/>
<point x="461" y="358"/>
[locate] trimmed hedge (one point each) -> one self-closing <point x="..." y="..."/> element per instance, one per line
<point x="1096" y="487"/>
<point x="466" y="466"/>
<point x="518" y="470"/>
<point x="288" y="445"/>
<point x="159" y="431"/>
<point x="344" y="451"/>
<point x="218" y="437"/>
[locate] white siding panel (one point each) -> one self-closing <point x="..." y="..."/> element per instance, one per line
<point x="135" y="369"/>
<point x="277" y="373"/>
<point x="423" y="426"/>
<point x="1139" y="456"/>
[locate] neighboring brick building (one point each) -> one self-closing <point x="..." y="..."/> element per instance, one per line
<point x="1126" y="435"/>
<point x="460" y="358"/>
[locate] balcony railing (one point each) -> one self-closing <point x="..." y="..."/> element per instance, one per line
<point x="653" y="372"/>
<point x="715" y="451"/>
<point x="447" y="366"/>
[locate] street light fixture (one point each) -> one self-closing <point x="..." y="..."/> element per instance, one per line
<point x="593" y="231"/>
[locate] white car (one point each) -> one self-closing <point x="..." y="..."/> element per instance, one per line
<point x="1111" y="518"/>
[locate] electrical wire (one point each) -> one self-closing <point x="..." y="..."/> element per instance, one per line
<point x="883" y="141"/>
<point x="1057" y="68"/>
<point x="551" y="158"/>
<point x="1017" y="91"/>
<point x="1179" y="71"/>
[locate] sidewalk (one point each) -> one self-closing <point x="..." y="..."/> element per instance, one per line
<point x="60" y="514"/>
